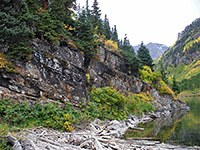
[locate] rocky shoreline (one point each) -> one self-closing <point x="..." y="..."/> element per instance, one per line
<point x="98" y="135"/>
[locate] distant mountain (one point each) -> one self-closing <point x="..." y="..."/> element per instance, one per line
<point x="155" y="49"/>
<point x="183" y="58"/>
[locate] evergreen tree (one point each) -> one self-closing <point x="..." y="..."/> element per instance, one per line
<point x="14" y="29"/>
<point x="96" y="18"/>
<point x="175" y="86"/>
<point x="108" y="33"/>
<point x="34" y="5"/>
<point x="131" y="59"/>
<point x="78" y="9"/>
<point x="13" y="26"/>
<point x="163" y="73"/>
<point x="143" y="54"/>
<point x="120" y="44"/>
<point x="115" y="34"/>
<point x="126" y="41"/>
<point x="125" y="44"/>
<point x="60" y="11"/>
<point x="85" y="34"/>
<point x="87" y="9"/>
<point x="84" y="27"/>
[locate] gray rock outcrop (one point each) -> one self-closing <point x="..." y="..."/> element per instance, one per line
<point x="59" y="74"/>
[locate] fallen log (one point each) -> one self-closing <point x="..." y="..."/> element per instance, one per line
<point x="143" y="138"/>
<point x="136" y="128"/>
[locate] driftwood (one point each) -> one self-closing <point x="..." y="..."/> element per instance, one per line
<point x="143" y="138"/>
<point x="16" y="144"/>
<point x="97" y="136"/>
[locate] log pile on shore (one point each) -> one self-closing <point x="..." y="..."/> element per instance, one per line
<point x="98" y="135"/>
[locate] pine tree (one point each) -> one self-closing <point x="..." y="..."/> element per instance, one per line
<point x="115" y="35"/>
<point x="108" y="33"/>
<point x="85" y="34"/>
<point x="85" y="29"/>
<point x="125" y="44"/>
<point x="175" y="86"/>
<point x="126" y="41"/>
<point x="60" y="11"/>
<point x="131" y="59"/>
<point x="120" y="44"/>
<point x="78" y="9"/>
<point x="34" y="5"/>
<point x="96" y="18"/>
<point x="14" y="28"/>
<point x="143" y="54"/>
<point x="87" y="9"/>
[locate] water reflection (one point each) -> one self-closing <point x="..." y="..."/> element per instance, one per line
<point x="177" y="128"/>
<point x="188" y="130"/>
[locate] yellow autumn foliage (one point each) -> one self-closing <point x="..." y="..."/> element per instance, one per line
<point x="72" y="44"/>
<point x="192" y="72"/>
<point x="170" y="78"/>
<point x="3" y="61"/>
<point x="159" y="59"/>
<point x="41" y="10"/>
<point x="100" y="38"/>
<point x="111" y="45"/>
<point x="144" y="96"/>
<point x="197" y="63"/>
<point x="67" y="124"/>
<point x="88" y="77"/>
<point x="190" y="44"/>
<point x="186" y="67"/>
<point x="68" y="27"/>
<point x="165" y="89"/>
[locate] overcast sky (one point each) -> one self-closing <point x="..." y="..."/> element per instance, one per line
<point x="157" y="21"/>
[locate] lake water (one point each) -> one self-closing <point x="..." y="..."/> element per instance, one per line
<point x="180" y="127"/>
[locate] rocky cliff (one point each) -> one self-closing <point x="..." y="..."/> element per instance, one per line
<point x="59" y="74"/>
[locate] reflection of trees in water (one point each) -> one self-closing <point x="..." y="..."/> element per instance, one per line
<point x="175" y="128"/>
<point x="166" y="125"/>
<point x="186" y="137"/>
<point x="188" y="132"/>
<point x="161" y="128"/>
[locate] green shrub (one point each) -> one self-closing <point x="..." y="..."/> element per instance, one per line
<point x="107" y="103"/>
<point x="48" y="115"/>
<point x="139" y="103"/>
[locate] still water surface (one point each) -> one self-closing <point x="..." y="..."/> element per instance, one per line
<point x="179" y="128"/>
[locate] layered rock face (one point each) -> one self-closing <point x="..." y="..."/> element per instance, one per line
<point x="54" y="73"/>
<point x="108" y="69"/>
<point x="59" y="74"/>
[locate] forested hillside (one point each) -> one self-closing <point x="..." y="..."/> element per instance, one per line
<point x="182" y="60"/>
